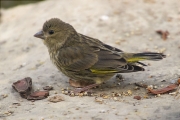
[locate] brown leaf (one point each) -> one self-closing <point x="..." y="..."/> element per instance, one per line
<point x="23" y="86"/>
<point x="164" y="34"/>
<point x="163" y="90"/>
<point x="38" y="95"/>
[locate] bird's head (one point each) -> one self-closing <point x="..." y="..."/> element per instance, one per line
<point x="55" y="32"/>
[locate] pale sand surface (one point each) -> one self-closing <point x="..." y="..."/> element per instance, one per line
<point x="127" y="24"/>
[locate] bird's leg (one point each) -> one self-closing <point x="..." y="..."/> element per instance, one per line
<point x="79" y="90"/>
<point x="78" y="84"/>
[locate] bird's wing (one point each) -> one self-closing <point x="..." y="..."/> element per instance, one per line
<point x="109" y="58"/>
<point x="95" y="42"/>
<point x="110" y="62"/>
<point x="77" y="58"/>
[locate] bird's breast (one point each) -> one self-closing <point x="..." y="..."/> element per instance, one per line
<point x="55" y="59"/>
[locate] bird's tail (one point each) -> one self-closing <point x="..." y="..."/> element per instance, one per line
<point x="135" y="57"/>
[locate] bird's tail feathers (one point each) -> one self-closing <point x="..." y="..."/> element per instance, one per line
<point x="135" y="57"/>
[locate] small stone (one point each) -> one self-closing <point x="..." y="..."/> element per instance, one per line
<point x="168" y="55"/>
<point x="85" y="93"/>
<point x="155" y="87"/>
<point x="150" y="87"/>
<point x="117" y="42"/>
<point x="146" y="97"/>
<point x="137" y="88"/>
<point x="104" y="17"/>
<point x="162" y="50"/>
<point x="99" y="100"/>
<point x="5" y="95"/>
<point x="129" y="92"/>
<point x="66" y="92"/>
<point x="173" y="81"/>
<point x="118" y="83"/>
<point x="162" y="85"/>
<point x="72" y="94"/>
<point x="172" y="93"/>
<point x="102" y="111"/>
<point x="115" y="98"/>
<point x="63" y="92"/>
<point x="56" y="98"/>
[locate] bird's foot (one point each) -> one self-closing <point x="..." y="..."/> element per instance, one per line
<point x="80" y="90"/>
<point x="119" y="77"/>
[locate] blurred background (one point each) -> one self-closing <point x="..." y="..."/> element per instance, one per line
<point x="12" y="3"/>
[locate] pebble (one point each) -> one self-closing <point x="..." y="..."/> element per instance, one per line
<point x="172" y="93"/>
<point x="129" y="92"/>
<point x="102" y="111"/>
<point x="104" y="17"/>
<point x="155" y="87"/>
<point x="115" y="98"/>
<point x="150" y="87"/>
<point x="158" y="95"/>
<point x="162" y="85"/>
<point x="173" y="81"/>
<point x="137" y="88"/>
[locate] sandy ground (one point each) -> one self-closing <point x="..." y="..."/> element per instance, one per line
<point x="126" y="24"/>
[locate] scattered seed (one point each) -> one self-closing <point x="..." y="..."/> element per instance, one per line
<point x="136" y="88"/>
<point x="155" y="87"/>
<point x="150" y="87"/>
<point x="129" y="92"/>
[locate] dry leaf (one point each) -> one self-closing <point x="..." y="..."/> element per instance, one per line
<point x="164" y="34"/>
<point x="163" y="90"/>
<point x="38" y="95"/>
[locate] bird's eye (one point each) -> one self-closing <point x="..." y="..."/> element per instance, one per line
<point x="51" y="32"/>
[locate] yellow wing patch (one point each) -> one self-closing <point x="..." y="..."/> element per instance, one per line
<point x="103" y="71"/>
<point x="135" y="59"/>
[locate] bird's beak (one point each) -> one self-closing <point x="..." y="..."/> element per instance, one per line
<point x="40" y="35"/>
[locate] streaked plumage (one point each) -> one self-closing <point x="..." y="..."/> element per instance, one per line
<point x="83" y="58"/>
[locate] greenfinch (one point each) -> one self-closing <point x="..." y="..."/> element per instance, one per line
<point x="85" y="59"/>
